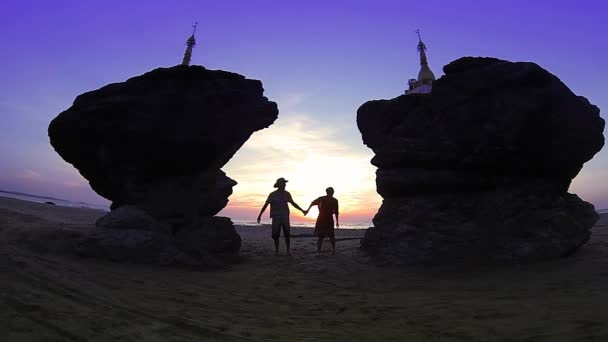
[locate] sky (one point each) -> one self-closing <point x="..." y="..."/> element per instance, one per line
<point x="319" y="60"/>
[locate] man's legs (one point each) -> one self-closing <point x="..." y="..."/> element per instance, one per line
<point x="287" y="233"/>
<point x="276" y="233"/>
<point x="319" y="244"/>
<point x="332" y="239"/>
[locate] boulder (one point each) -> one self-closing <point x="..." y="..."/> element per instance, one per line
<point x="155" y="144"/>
<point x="211" y="243"/>
<point x="479" y="169"/>
<point x="132" y="217"/>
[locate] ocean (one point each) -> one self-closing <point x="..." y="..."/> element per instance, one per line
<point x="66" y="203"/>
<point x="56" y="201"/>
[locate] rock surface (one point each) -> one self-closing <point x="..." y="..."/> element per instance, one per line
<point x="212" y="242"/>
<point x="480" y="168"/>
<point x="155" y="144"/>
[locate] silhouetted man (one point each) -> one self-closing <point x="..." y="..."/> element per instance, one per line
<point x="328" y="206"/>
<point x="279" y="212"/>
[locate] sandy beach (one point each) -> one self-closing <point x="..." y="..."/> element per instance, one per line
<point x="49" y="295"/>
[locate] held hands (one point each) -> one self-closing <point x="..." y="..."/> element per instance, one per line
<point x="259" y="219"/>
<point x="305" y="212"/>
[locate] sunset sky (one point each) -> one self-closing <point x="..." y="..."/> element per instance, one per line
<point x="319" y="60"/>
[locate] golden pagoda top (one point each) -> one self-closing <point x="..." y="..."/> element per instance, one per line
<point x="425" y="76"/>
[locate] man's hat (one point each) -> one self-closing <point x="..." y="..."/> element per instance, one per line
<point x="279" y="181"/>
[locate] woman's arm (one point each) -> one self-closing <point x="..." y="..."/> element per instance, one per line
<point x="313" y="203"/>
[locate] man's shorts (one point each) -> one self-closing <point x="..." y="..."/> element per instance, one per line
<point x="277" y="224"/>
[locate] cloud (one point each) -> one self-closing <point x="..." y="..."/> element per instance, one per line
<point x="47" y="182"/>
<point x="77" y="183"/>
<point x="290" y="101"/>
<point x="589" y="189"/>
<point x="28" y="174"/>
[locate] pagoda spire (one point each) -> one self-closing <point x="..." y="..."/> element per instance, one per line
<point x="425" y="76"/>
<point x="190" y="44"/>
<point x="421" y="49"/>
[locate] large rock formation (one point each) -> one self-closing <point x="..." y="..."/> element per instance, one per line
<point x="480" y="168"/>
<point x="154" y="145"/>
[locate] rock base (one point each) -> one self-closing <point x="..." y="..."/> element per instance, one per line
<point x="496" y="226"/>
<point x="130" y="235"/>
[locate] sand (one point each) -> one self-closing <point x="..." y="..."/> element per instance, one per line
<point x="48" y="295"/>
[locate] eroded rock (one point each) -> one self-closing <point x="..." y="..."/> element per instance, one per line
<point x="479" y="169"/>
<point x="155" y="144"/>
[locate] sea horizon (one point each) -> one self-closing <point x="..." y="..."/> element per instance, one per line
<point x="236" y="221"/>
<point x="80" y="204"/>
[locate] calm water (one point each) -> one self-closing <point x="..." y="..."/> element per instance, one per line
<point x="66" y="203"/>
<point x="57" y="201"/>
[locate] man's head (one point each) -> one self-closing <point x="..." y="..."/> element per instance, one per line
<point x="329" y="191"/>
<point x="280" y="183"/>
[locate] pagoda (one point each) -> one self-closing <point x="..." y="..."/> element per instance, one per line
<point x="424" y="83"/>
<point x="190" y="44"/>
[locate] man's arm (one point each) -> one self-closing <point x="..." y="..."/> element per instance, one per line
<point x="290" y="200"/>
<point x="337" y="218"/>
<point x="262" y="211"/>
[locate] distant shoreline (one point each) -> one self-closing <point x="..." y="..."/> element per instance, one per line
<point x="66" y="203"/>
<point x="56" y="201"/>
<point x="30" y="195"/>
<point x="245" y="223"/>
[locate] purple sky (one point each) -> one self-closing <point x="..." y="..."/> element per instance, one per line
<point x="320" y="60"/>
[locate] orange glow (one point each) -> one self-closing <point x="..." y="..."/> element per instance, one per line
<point x="312" y="214"/>
<point x="311" y="158"/>
<point x="240" y="211"/>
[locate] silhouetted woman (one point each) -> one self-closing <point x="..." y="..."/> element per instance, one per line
<point x="328" y="206"/>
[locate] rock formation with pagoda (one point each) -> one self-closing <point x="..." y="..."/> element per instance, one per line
<point x="154" y="145"/>
<point x="479" y="169"/>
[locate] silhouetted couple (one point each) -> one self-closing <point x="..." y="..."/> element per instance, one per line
<point x="279" y="212"/>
